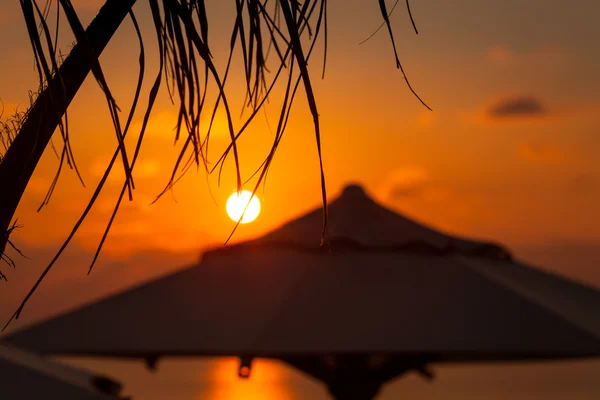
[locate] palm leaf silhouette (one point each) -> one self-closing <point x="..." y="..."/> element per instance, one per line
<point x="260" y="29"/>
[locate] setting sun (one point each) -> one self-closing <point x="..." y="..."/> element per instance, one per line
<point x="236" y="204"/>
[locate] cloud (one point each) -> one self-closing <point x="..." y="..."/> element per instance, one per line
<point x="544" y="153"/>
<point x="512" y="108"/>
<point x="140" y="226"/>
<point x="409" y="183"/>
<point x="404" y="182"/>
<point x="522" y="108"/>
<point x="516" y="106"/>
<point x="500" y="55"/>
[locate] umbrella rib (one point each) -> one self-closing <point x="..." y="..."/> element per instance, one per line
<point x="526" y="295"/>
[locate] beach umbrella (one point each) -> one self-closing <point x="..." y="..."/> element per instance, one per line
<point x="384" y="296"/>
<point x="24" y="375"/>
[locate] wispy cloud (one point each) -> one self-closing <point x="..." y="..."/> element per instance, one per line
<point x="409" y="183"/>
<point x="544" y="153"/>
<point x="500" y="55"/>
<point x="516" y="106"/>
<point x="526" y="108"/>
<point x="404" y="182"/>
<point x="548" y="56"/>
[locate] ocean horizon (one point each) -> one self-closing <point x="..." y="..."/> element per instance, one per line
<point x="216" y="379"/>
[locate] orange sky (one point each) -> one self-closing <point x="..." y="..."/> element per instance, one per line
<point x="507" y="154"/>
<point x="510" y="152"/>
<point x="518" y="178"/>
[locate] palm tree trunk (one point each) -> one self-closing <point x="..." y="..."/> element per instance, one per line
<point x="43" y="118"/>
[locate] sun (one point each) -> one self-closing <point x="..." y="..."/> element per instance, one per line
<point x="236" y="204"/>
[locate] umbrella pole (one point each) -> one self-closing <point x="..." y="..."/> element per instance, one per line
<point x="356" y="377"/>
<point x="346" y="377"/>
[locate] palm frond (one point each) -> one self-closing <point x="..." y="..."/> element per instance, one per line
<point x="287" y="28"/>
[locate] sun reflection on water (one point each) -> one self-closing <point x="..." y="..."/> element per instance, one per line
<point x="268" y="381"/>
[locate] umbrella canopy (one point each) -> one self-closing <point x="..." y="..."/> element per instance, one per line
<point x="385" y="295"/>
<point x="25" y="375"/>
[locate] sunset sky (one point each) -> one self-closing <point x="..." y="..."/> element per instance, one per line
<point x="510" y="152"/>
